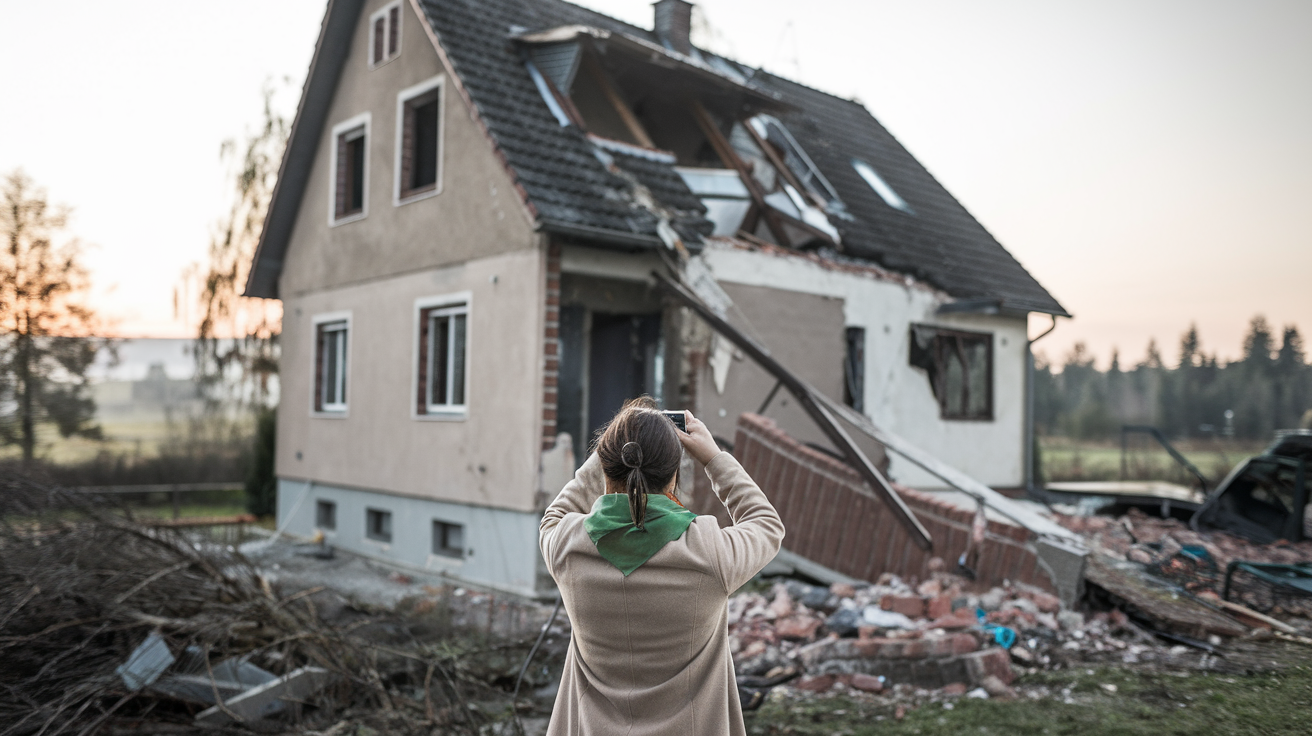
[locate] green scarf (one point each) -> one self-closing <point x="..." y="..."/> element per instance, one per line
<point x="611" y="528"/>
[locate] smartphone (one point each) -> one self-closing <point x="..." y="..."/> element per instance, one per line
<point x="679" y="420"/>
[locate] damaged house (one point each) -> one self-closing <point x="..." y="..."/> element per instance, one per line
<point x="472" y="204"/>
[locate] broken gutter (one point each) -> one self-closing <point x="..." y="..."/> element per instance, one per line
<point x="602" y="235"/>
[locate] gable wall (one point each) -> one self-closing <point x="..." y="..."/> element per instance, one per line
<point x="473" y="237"/>
<point x="478" y="213"/>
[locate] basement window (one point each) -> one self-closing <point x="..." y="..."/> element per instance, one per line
<point x="448" y="539"/>
<point x="385" y="35"/>
<point x="881" y="187"/>
<point x="350" y="170"/>
<point x="378" y="525"/>
<point x="419" y="135"/>
<point x="330" y="364"/>
<point x="854" y="368"/>
<point x="325" y="515"/>
<point x="442" y="376"/>
<point x="960" y="370"/>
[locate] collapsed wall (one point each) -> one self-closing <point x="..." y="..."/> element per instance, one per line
<point x="834" y="521"/>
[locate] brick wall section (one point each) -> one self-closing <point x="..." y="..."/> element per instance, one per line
<point x="829" y="520"/>
<point x="551" y="347"/>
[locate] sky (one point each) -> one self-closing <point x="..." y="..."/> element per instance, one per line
<point x="1149" y="162"/>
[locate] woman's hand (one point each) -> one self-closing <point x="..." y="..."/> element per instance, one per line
<point x="698" y="440"/>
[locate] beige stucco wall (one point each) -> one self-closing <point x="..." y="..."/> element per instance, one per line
<point x="898" y="396"/>
<point x="476" y="214"/>
<point x="473" y="236"/>
<point x="489" y="458"/>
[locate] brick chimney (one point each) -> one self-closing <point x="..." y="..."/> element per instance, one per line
<point x="674" y="24"/>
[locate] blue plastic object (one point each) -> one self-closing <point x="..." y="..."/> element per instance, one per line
<point x="1003" y="635"/>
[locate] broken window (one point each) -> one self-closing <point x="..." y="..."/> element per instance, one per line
<point x="794" y="157"/>
<point x="448" y="539"/>
<point x="349" y="169"/>
<point x="325" y="515"/>
<point x="419" y="162"/>
<point x="960" y="369"/>
<point x="854" y="368"/>
<point x="378" y="525"/>
<point x="442" y="357"/>
<point x="880" y="186"/>
<point x="330" y="366"/>
<point x="723" y="194"/>
<point x="385" y="34"/>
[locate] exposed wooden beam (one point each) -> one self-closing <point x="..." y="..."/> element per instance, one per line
<point x="630" y="120"/>
<point x="725" y="151"/>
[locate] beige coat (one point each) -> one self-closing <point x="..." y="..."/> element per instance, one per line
<point x="650" y="652"/>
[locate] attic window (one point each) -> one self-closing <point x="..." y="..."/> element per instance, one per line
<point x="960" y="370"/>
<point x="881" y="187"/>
<point x="385" y="34"/>
<point x="419" y="135"/>
<point x="795" y="158"/>
<point x="350" y="170"/>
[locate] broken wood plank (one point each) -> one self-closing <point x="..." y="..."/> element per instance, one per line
<point x="1164" y="609"/>
<point x="268" y="698"/>
<point x="1253" y="618"/>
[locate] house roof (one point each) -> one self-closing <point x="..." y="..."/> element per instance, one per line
<point x="574" y="186"/>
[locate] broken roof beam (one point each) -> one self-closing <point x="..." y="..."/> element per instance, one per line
<point x="631" y="122"/>
<point x="814" y="406"/>
<point x="730" y="158"/>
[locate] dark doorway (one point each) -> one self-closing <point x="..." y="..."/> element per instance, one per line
<point x="625" y="361"/>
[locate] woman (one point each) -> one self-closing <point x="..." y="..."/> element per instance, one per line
<point x="646" y="582"/>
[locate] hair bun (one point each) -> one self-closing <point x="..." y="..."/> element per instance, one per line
<point x="631" y="455"/>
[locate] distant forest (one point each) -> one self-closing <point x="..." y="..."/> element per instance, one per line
<point x="1269" y="388"/>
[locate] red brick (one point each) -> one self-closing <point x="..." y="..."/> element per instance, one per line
<point x="865" y="683"/>
<point x="939" y="606"/>
<point x="816" y="683"/>
<point x="1046" y="603"/>
<point x="994" y="661"/>
<point x="910" y="606"/>
<point x="964" y="643"/>
<point x="955" y="688"/>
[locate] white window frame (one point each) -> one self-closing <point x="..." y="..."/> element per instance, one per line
<point x="333" y="411"/>
<point x="384" y="13"/>
<point x="363" y="120"/>
<point x="434" y="83"/>
<point x="440" y="412"/>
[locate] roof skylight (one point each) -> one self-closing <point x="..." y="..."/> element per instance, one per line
<point x="881" y="187"/>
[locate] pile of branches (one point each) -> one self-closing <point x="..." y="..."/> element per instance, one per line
<point x="81" y="587"/>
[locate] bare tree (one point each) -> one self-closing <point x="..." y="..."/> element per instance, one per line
<point x="236" y="347"/>
<point x="47" y="340"/>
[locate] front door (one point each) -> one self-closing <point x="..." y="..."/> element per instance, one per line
<point x="624" y="361"/>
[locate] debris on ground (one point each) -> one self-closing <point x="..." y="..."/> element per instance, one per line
<point x="111" y="626"/>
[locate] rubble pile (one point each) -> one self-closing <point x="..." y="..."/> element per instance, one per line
<point x="933" y="634"/>
<point x="1195" y="561"/>
<point x="107" y="625"/>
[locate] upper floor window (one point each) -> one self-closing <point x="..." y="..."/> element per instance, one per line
<point x="418" y="139"/>
<point x="350" y="170"/>
<point x="385" y="34"/>
<point x="960" y="369"/>
<point x="443" y="356"/>
<point x="330" y="362"/>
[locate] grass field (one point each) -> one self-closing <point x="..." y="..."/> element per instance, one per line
<point x="1065" y="459"/>
<point x="1098" y="702"/>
